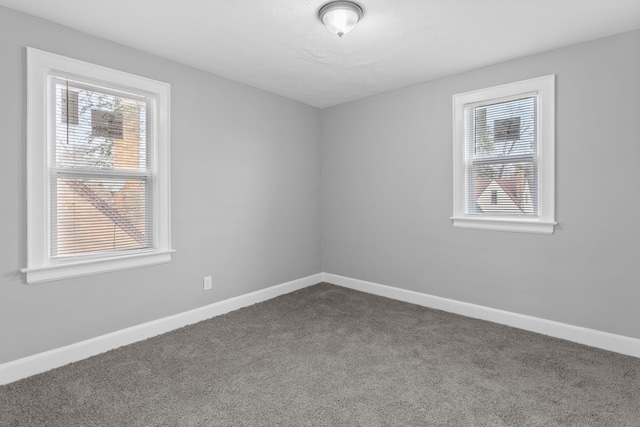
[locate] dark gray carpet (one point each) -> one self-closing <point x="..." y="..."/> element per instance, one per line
<point x="330" y="356"/>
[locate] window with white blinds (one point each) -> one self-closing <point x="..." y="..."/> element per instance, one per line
<point x="101" y="202"/>
<point x="101" y="169"/>
<point x="503" y="157"/>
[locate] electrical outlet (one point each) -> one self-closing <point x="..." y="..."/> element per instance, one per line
<point x="207" y="283"/>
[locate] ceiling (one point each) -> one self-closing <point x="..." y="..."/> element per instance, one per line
<point x="282" y="47"/>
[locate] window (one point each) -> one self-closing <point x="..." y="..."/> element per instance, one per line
<point x="97" y="167"/>
<point x="494" y="197"/>
<point x="504" y="157"/>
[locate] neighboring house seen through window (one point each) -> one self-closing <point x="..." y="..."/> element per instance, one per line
<point x="101" y="201"/>
<point x="504" y="157"/>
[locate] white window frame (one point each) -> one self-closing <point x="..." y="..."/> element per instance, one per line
<point x="40" y="266"/>
<point x="544" y="223"/>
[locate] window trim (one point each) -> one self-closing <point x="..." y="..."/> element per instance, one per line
<point x="40" y="267"/>
<point x="544" y="223"/>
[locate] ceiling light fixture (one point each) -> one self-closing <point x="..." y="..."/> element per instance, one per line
<point x="340" y="17"/>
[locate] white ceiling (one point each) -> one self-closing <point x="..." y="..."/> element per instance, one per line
<point x="281" y="46"/>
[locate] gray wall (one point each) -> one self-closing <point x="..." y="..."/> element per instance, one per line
<point x="246" y="198"/>
<point x="387" y="194"/>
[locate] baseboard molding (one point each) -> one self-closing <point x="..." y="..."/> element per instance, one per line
<point x="41" y="362"/>
<point x="591" y="337"/>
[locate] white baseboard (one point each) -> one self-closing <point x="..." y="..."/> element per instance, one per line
<point x="41" y="362"/>
<point x="591" y="337"/>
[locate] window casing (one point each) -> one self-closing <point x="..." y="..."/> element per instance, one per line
<point x="504" y="149"/>
<point x="97" y="169"/>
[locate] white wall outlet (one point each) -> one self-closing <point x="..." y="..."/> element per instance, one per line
<point x="207" y="283"/>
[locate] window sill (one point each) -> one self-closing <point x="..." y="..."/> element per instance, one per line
<point x="505" y="224"/>
<point x="94" y="266"/>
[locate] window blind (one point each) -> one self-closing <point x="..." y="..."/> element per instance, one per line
<point x="501" y="157"/>
<point x="101" y="169"/>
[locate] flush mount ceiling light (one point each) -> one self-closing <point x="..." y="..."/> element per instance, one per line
<point x="340" y="17"/>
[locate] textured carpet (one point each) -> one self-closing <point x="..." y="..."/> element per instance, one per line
<point x="330" y="356"/>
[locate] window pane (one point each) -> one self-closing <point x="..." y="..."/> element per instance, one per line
<point x="98" y="130"/>
<point x="100" y="214"/>
<point x="504" y="129"/>
<point x="507" y="188"/>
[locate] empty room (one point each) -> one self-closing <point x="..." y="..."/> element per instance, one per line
<point x="320" y="213"/>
